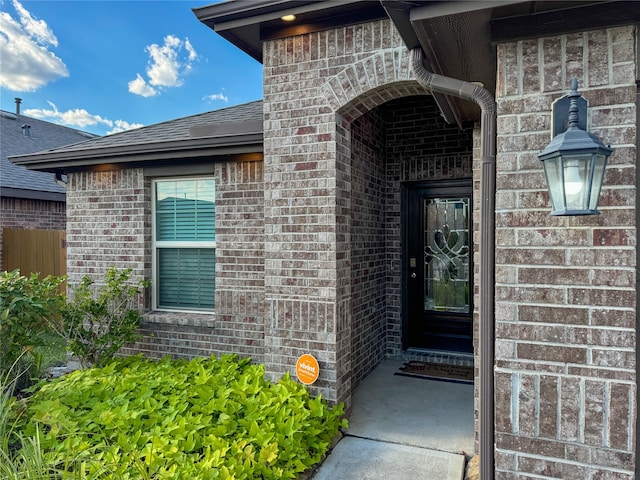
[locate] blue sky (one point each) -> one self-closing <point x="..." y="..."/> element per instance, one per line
<point x="107" y="66"/>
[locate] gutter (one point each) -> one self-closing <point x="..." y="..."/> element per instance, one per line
<point x="23" y="193"/>
<point x="479" y="95"/>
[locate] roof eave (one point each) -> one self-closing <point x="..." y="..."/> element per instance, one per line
<point x="142" y="153"/>
<point x="247" y="24"/>
<point x="10" y="192"/>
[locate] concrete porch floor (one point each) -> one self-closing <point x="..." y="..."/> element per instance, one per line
<point x="404" y="428"/>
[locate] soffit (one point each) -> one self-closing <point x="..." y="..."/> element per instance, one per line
<point x="248" y="24"/>
<point x="459" y="37"/>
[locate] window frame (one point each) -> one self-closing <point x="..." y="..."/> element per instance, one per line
<point x="157" y="245"/>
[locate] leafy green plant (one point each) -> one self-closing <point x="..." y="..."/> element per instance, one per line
<point x="19" y="459"/>
<point x="178" y="419"/>
<point x="28" y="305"/>
<point x="22" y="457"/>
<point x="99" y="320"/>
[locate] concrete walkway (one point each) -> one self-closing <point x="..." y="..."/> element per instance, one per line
<point x="404" y="428"/>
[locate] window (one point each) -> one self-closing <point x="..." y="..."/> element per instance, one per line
<point x="184" y="243"/>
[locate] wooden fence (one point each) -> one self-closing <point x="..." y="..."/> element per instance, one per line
<point x="39" y="251"/>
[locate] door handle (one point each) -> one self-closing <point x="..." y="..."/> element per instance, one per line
<point x="413" y="275"/>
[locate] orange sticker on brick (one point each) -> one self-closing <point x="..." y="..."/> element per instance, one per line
<point x="307" y="369"/>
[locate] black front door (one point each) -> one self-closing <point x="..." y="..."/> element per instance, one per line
<point x="438" y="271"/>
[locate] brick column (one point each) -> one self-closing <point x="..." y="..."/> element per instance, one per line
<point x="307" y="195"/>
<point x="566" y="386"/>
<point x="303" y="299"/>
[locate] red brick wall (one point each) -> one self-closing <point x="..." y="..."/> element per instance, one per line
<point x="240" y="311"/>
<point x="308" y="169"/>
<point x="108" y="223"/>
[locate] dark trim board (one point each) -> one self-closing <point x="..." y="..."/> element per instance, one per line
<point x="573" y="19"/>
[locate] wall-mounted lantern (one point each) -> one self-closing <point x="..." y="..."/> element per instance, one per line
<point x="574" y="162"/>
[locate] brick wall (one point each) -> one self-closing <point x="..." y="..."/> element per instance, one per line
<point x="307" y="197"/>
<point x="368" y="244"/>
<point x="566" y="385"/>
<point x="309" y="79"/>
<point x="31" y="214"/>
<point x="110" y="224"/>
<point x="239" y="319"/>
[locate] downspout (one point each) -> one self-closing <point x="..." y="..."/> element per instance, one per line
<point x="479" y="95"/>
<point x="59" y="180"/>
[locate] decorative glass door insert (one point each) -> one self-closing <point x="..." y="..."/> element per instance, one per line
<point x="446" y="254"/>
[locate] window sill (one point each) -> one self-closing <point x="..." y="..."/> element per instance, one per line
<point x="189" y="319"/>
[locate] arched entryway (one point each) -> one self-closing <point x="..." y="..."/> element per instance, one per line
<point x="392" y="142"/>
<point x="399" y="150"/>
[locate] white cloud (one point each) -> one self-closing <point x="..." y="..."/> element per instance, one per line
<point x="122" y="125"/>
<point x="216" y="96"/>
<point x="79" y="118"/>
<point x="37" y="29"/>
<point x="140" y="87"/>
<point x="193" y="56"/>
<point x="27" y="63"/>
<point x="168" y="64"/>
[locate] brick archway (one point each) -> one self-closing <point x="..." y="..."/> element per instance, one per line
<point x="370" y="82"/>
<point x="351" y="93"/>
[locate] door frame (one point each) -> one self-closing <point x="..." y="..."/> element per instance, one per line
<point x="406" y="189"/>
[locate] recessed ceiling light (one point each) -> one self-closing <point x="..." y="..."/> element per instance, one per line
<point x="288" y="18"/>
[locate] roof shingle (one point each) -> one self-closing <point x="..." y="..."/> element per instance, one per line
<point x="43" y="135"/>
<point x="224" y="128"/>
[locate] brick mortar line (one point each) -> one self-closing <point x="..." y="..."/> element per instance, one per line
<point x="588" y="466"/>
<point x="546" y="373"/>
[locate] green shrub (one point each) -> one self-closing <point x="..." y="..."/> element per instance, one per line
<point x="177" y="419"/>
<point x="98" y="321"/>
<point x="28" y="305"/>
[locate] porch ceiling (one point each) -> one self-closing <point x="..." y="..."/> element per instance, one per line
<point x="459" y="37"/>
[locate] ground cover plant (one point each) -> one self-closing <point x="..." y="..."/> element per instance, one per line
<point x="205" y="418"/>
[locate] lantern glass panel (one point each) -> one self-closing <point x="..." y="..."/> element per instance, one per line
<point x="599" y="165"/>
<point x="576" y="169"/>
<point x="553" y="172"/>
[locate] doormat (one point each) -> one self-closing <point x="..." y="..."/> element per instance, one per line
<point x="437" y="371"/>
